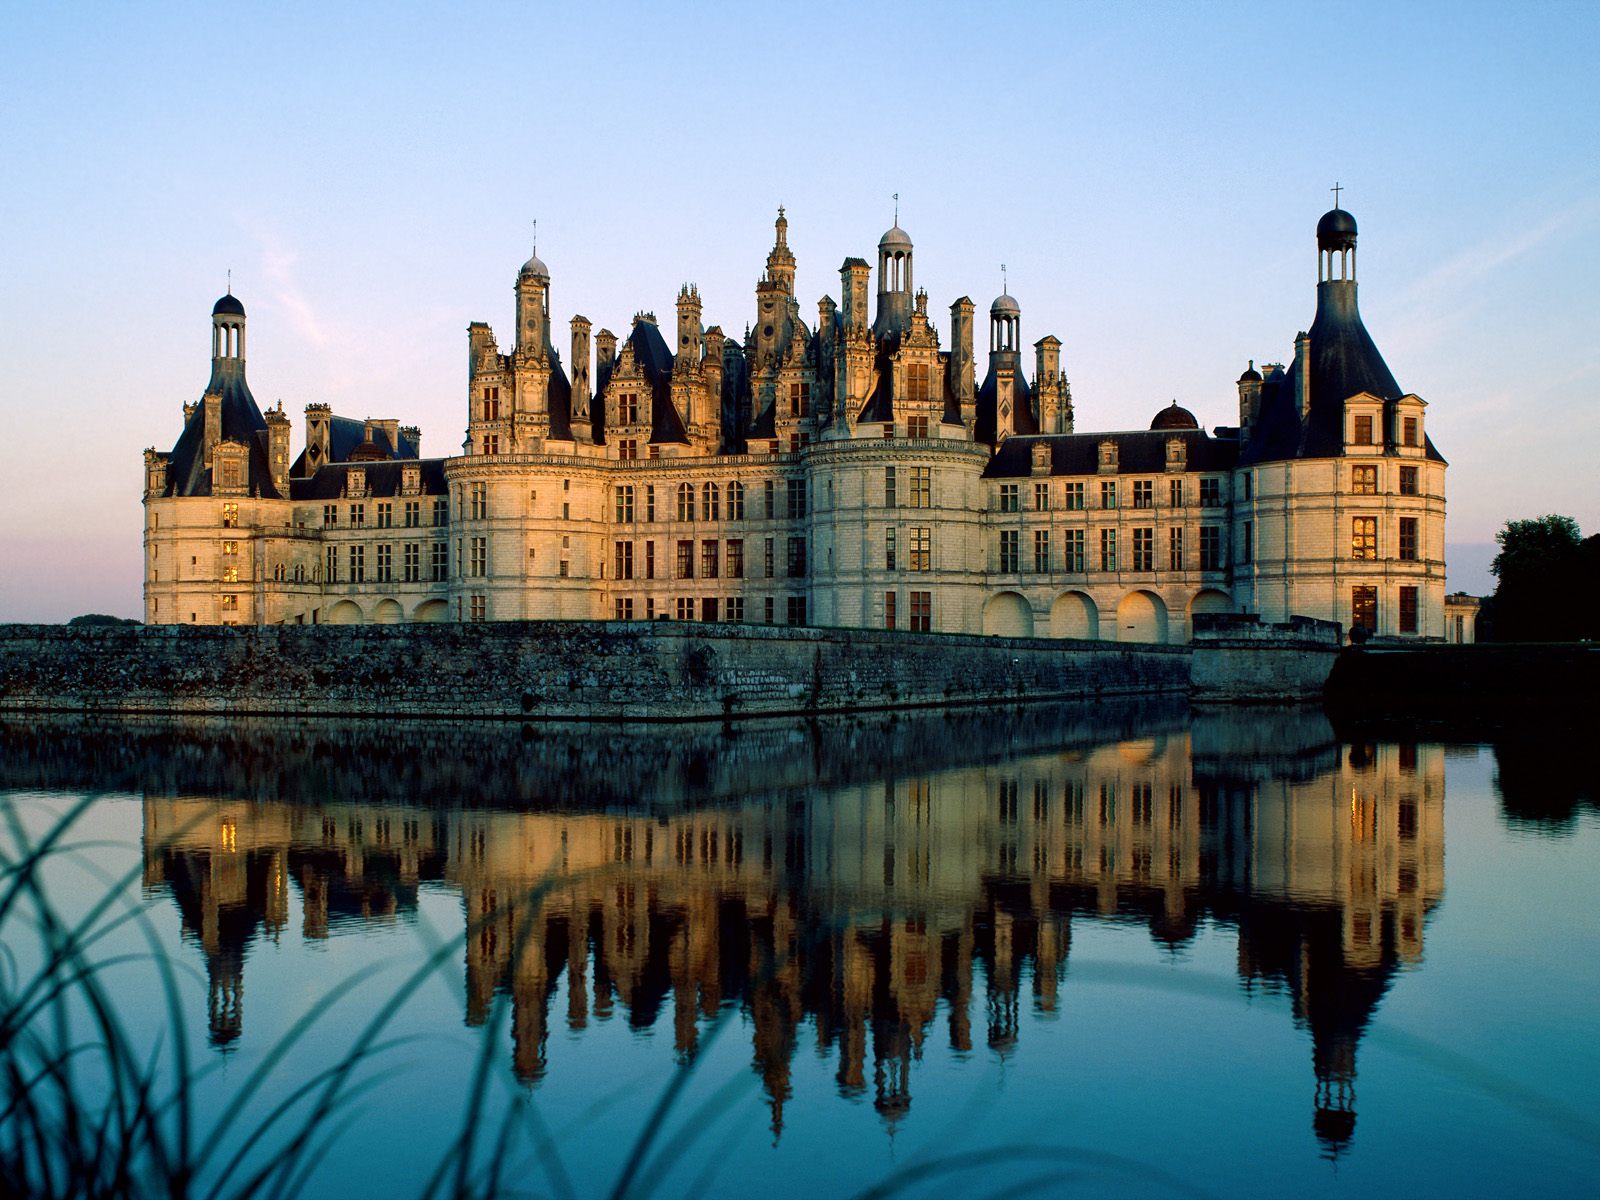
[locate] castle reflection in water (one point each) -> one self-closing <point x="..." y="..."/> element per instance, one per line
<point x="798" y="872"/>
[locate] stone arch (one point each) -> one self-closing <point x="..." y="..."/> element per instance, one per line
<point x="346" y="612"/>
<point x="1074" y="615"/>
<point x="1210" y="600"/>
<point x="431" y="610"/>
<point x="1142" y="617"/>
<point x="388" y="612"/>
<point x="1009" y="615"/>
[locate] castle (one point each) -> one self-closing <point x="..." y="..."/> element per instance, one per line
<point x="853" y="472"/>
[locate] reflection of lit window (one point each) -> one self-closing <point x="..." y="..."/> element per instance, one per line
<point x="230" y="836"/>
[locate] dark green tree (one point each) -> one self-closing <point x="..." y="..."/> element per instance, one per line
<point x="1541" y="594"/>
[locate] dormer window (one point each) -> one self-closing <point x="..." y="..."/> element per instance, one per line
<point x="1361" y="434"/>
<point x="356" y="483"/>
<point x="1411" y="431"/>
<point x="1108" y="456"/>
<point x="1176" y="456"/>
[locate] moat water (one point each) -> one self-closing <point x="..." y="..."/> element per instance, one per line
<point x="1109" y="951"/>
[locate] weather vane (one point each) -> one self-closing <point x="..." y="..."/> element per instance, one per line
<point x="1336" y="189"/>
<point x="897" y="208"/>
<point x="536" y="237"/>
<point x="1005" y="288"/>
<point x="230" y="281"/>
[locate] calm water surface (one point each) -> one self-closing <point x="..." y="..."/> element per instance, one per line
<point x="1048" y="951"/>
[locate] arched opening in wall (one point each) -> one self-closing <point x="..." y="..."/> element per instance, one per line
<point x="1008" y="615"/>
<point x="431" y="610"/>
<point x="346" y="612"/>
<point x="1141" y="617"/>
<point x="388" y="612"/>
<point x="1074" y="615"/>
<point x="1209" y="600"/>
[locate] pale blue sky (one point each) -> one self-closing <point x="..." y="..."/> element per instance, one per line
<point x="1151" y="174"/>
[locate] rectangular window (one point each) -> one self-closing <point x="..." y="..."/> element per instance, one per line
<point x="889" y="500"/>
<point x="1408" y="481"/>
<point x="1144" y="493"/>
<point x="358" y="516"/>
<point x="1008" y="498"/>
<point x="491" y="443"/>
<point x="628" y="449"/>
<point x="685" y="560"/>
<point x="228" y="548"/>
<point x="710" y="559"/>
<point x="1364" y="607"/>
<point x="330" y="516"/>
<point x="624" y="560"/>
<point x="921" y="549"/>
<point x="649" y="560"/>
<point x="767" y="557"/>
<point x="479" y="610"/>
<point x="1210" y="548"/>
<point x="736" y="501"/>
<point x="1175" y="549"/>
<point x="888" y="550"/>
<point x="1364" y="481"/>
<point x="624" y="608"/>
<point x="385" y="563"/>
<point x="1412" y="432"/>
<point x="708" y="608"/>
<point x="685" y="608"/>
<point x="797" y="610"/>
<point x="1175" y="492"/>
<point x="735" y="558"/>
<point x="413" y="562"/>
<point x="385" y="514"/>
<point x="413" y="514"/>
<point x="624" y="505"/>
<point x="921" y="612"/>
<point x="889" y="599"/>
<point x="1072" y="551"/>
<point x="735" y="609"/>
<point x="1247" y="542"/>
<point x="1211" y="493"/>
<point x="480" y="557"/>
<point x="921" y="487"/>
<point x="1041" y="497"/>
<point x="230" y="603"/>
<point x="441" y="511"/>
<point x="772" y="499"/>
<point x="917" y="382"/>
<point x="1248" y="479"/>
<point x="766" y="608"/>
<point x="1074" y="497"/>
<point x="799" y="399"/>
<point x="628" y="408"/>
<point x="230" y="515"/>
<point x="797" y="558"/>
<point x="1008" y="551"/>
<point x="333" y="564"/>
<point x="1041" y="551"/>
<point x="1144" y="549"/>
<point x="917" y="427"/>
<point x="1408" y="539"/>
<point x="230" y="574"/>
<point x="1363" y="431"/>
<point x="440" y="562"/>
<point x="358" y="564"/>
<point x="480" y="501"/>
<point x="1364" y="537"/>
<point x="1408" y="610"/>
<point x="1108" y="549"/>
<point x="1108" y="494"/>
<point x="797" y="499"/>
<point x="650" y="502"/>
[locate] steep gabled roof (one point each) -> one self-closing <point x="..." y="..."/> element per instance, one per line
<point x="1139" y="452"/>
<point x="241" y="421"/>
<point x="384" y="479"/>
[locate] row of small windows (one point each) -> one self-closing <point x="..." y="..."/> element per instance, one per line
<point x="354" y="562"/>
<point x="1075" y="558"/>
<point x="1143" y="494"/>
<point x="1364" y="539"/>
<point x="1362" y="430"/>
<point x="638" y="501"/>
<point x="708" y="609"/>
<point x="1364" y="608"/>
<point x="384" y="514"/>
<point x="1364" y="481"/>
<point x="716" y="557"/>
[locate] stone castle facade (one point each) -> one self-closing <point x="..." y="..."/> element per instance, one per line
<point x="851" y="472"/>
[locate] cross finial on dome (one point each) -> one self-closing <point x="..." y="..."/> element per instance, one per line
<point x="230" y="281"/>
<point x="1336" y="189"/>
<point x="536" y="237"/>
<point x="1004" y="286"/>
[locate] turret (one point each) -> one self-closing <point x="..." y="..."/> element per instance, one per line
<point x="580" y="370"/>
<point x="1249" y="398"/>
<point x="688" y="349"/>
<point x="605" y="357"/>
<point x="894" y="281"/>
<point x="853" y="277"/>
<point x="278" y="427"/>
<point x="962" y="368"/>
<point x="533" y="308"/>
<point x="780" y="260"/>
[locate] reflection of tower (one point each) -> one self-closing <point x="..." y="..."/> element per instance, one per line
<point x="1335" y="1117"/>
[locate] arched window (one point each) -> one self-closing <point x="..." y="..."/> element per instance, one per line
<point x="711" y="502"/>
<point x="686" y="502"/>
<point x="736" y="501"/>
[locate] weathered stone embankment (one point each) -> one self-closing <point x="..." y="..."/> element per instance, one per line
<point x="603" y="670"/>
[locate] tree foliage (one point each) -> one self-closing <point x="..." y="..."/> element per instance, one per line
<point x="1548" y="574"/>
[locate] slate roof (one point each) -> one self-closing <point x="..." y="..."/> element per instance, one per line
<point x="988" y="400"/>
<point x="383" y="479"/>
<point x="187" y="473"/>
<point x="1139" y="452"/>
<point x="1343" y="362"/>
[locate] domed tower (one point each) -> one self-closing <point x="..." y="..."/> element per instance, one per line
<point x="533" y="307"/>
<point x="894" y="281"/>
<point x="1005" y="325"/>
<point x="227" y="330"/>
<point x="1005" y="402"/>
